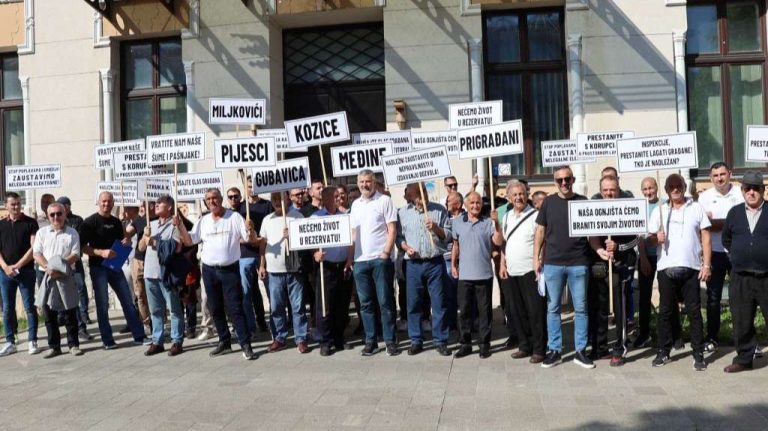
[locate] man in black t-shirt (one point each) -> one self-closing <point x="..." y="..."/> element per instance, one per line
<point x="98" y="233"/>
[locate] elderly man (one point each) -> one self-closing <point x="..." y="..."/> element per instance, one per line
<point x="455" y="209"/>
<point x="374" y="231"/>
<point x="58" y="245"/>
<point x="610" y="171"/>
<point x="684" y="255"/>
<point x="221" y="231"/>
<point x="75" y="222"/>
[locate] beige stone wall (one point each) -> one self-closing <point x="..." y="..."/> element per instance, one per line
<point x="11" y="25"/>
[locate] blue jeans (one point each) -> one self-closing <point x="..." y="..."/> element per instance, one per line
<point x="451" y="298"/>
<point x="249" y="279"/>
<point x="556" y="277"/>
<point x="82" y="293"/>
<point x="160" y="297"/>
<point x="422" y="277"/>
<point x="101" y="277"/>
<point x="286" y="290"/>
<point x="373" y="279"/>
<point x="25" y="281"/>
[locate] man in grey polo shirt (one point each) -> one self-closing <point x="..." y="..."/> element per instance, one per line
<point x="473" y="238"/>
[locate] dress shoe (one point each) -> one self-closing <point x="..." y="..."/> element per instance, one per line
<point x="302" y="347"/>
<point x="520" y="355"/>
<point x="415" y="349"/>
<point x="275" y="346"/>
<point x="248" y="353"/>
<point x="221" y="348"/>
<point x="154" y="349"/>
<point x="325" y="350"/>
<point x="737" y="368"/>
<point x="442" y="350"/>
<point x="485" y="351"/>
<point x="176" y="349"/>
<point x="464" y="350"/>
<point x="536" y="359"/>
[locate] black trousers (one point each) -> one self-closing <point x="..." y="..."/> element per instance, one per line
<point x="223" y="289"/>
<point x="746" y="292"/>
<point x="529" y="312"/>
<point x="473" y="292"/>
<point x="52" y="326"/>
<point x="338" y="293"/>
<point x="645" y="287"/>
<point x="721" y="265"/>
<point x="685" y="282"/>
<point x="598" y="308"/>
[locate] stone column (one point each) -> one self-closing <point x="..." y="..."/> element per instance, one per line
<point x="476" y="80"/>
<point x="107" y="82"/>
<point x="577" y="105"/>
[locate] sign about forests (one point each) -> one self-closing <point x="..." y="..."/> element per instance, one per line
<point x="237" y="111"/>
<point x="192" y="186"/>
<point x="603" y="217"/>
<point x="286" y="175"/>
<point x="319" y="232"/>
<point x="400" y="140"/>
<point x="153" y="188"/>
<point x="651" y="153"/>
<point x="281" y="140"/>
<point x="322" y="129"/>
<point x="600" y="144"/>
<point x="464" y="115"/>
<point x="757" y="144"/>
<point x="491" y="141"/>
<point x="559" y="153"/>
<point x="32" y="177"/>
<point x="134" y="165"/>
<point x="102" y="154"/>
<point x="125" y="194"/>
<point x="349" y="160"/>
<point x="417" y="165"/>
<point x="175" y="148"/>
<point x="250" y="152"/>
<point x="436" y="138"/>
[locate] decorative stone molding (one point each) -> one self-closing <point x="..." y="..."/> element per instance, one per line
<point x="676" y="2"/>
<point x="194" y="21"/>
<point x="99" y="40"/>
<point x="466" y="8"/>
<point x="29" y="29"/>
<point x="574" y="5"/>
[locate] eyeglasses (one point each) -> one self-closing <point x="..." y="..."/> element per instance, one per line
<point x="676" y="187"/>
<point x="453" y="186"/>
<point x="233" y="197"/>
<point x="564" y="180"/>
<point x="751" y="188"/>
<point x="56" y="214"/>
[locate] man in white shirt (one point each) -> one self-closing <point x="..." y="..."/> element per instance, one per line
<point x="717" y="201"/>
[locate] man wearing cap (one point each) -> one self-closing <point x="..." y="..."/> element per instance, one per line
<point x="75" y="222"/>
<point x="745" y="236"/>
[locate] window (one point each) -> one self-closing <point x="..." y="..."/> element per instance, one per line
<point x="11" y="116"/>
<point x="525" y="67"/>
<point x="726" y="65"/>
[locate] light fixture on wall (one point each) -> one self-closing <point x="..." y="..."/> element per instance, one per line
<point x="400" y="113"/>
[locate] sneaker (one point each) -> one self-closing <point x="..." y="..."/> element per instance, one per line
<point x="112" y="346"/>
<point x="758" y="352"/>
<point x="248" y="352"/>
<point x="710" y="346"/>
<point x="221" y="348"/>
<point x="583" y="361"/>
<point x="617" y="361"/>
<point x="553" y="358"/>
<point x="392" y="349"/>
<point x="662" y="358"/>
<point x="52" y="353"/>
<point x="83" y="335"/>
<point x="302" y="347"/>
<point x="698" y="361"/>
<point x="464" y="350"/>
<point x="205" y="335"/>
<point x="75" y="351"/>
<point x="275" y="346"/>
<point x="175" y="350"/>
<point x="415" y="349"/>
<point x="7" y="349"/>
<point x="370" y="349"/>
<point x="402" y="326"/>
<point x="33" y="350"/>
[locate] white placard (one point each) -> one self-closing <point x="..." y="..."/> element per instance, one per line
<point x="436" y="138"/>
<point x="349" y="160"/>
<point x="600" y="144"/>
<point x="134" y="165"/>
<point x="237" y="111"/>
<point x="32" y="177"/>
<point x="318" y="130"/>
<point x="603" y="217"/>
<point x="417" y="165"/>
<point x="757" y="144"/>
<point x="175" y="148"/>
<point x="560" y="153"/>
<point x="400" y="140"/>
<point x="319" y="232"/>
<point x="102" y="154"/>
<point x="250" y="152"/>
<point x="491" y="141"/>
<point x="286" y="175"/>
<point x="126" y="195"/>
<point x="154" y="188"/>
<point x="281" y="140"/>
<point x="192" y="186"/>
<point x="464" y="115"/>
<point x="651" y="153"/>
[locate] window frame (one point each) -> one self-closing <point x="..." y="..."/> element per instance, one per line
<point x="5" y="106"/>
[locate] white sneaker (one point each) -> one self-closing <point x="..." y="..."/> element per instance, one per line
<point x="758" y="352"/>
<point x="33" y="350"/>
<point x="7" y="349"/>
<point x="206" y="334"/>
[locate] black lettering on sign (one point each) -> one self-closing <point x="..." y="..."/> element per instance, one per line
<point x="317" y="130"/>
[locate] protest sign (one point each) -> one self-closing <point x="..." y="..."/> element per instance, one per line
<point x="436" y="138"/>
<point x="285" y="175"/>
<point x="281" y="140"/>
<point x="400" y="140"/>
<point x="237" y="111"/>
<point x="250" y="152"/>
<point x="102" y="154"/>
<point x="603" y="217"/>
<point x="192" y="186"/>
<point x="415" y="166"/>
<point x="491" y="141"/>
<point x="134" y="165"/>
<point x="464" y="115"/>
<point x="650" y="153"/>
<point x="600" y="144"/>
<point x="32" y="177"/>
<point x="124" y="193"/>
<point x="153" y="188"/>
<point x="318" y="130"/>
<point x="175" y="148"/>
<point x="349" y="160"/>
<point x="319" y="232"/>
<point x="559" y="153"/>
<point x="757" y="144"/>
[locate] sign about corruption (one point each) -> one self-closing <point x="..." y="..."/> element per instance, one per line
<point x="559" y="153"/>
<point x="153" y="188"/>
<point x="349" y="160"/>
<point x="126" y="194"/>
<point x="250" y="152"/>
<point x="491" y="141"/>
<point x="757" y="144"/>
<point x="464" y="115"/>
<point x="602" y="217"/>
<point x="281" y="140"/>
<point x="400" y="140"/>
<point x="32" y="177"/>
<point x="322" y="129"/>
<point x="319" y="232"/>
<point x="436" y="138"/>
<point x="416" y="165"/>
<point x="285" y="175"/>
<point x="192" y="186"/>
<point x="102" y="154"/>
<point x="651" y="153"/>
<point x="600" y="144"/>
<point x="237" y="111"/>
<point x="134" y="165"/>
<point x="175" y="148"/>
